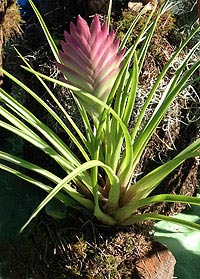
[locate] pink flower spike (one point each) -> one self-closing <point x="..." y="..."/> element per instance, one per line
<point x="91" y="60"/>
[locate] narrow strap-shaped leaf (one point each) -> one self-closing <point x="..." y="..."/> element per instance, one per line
<point x="124" y="174"/>
<point x="130" y="208"/>
<point x="39" y="143"/>
<point x="128" y="152"/>
<point x="42" y="128"/>
<point x="67" y="200"/>
<point x="27" y="165"/>
<point x="151" y="28"/>
<point x="142" y="188"/>
<point x="158" y="81"/>
<point x="152" y="124"/>
<point x="56" y="117"/>
<point x="130" y="30"/>
<point x="109" y="13"/>
<point x="62" y="184"/>
<point x="132" y="93"/>
<point x="180" y="70"/>
<point x="46" y="32"/>
<point x="15" y="121"/>
<point x="86" y="123"/>
<point x="69" y="87"/>
<point x="152" y="216"/>
<point x="123" y="109"/>
<point x="34" y="121"/>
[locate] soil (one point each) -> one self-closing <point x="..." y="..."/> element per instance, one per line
<point x="76" y="248"/>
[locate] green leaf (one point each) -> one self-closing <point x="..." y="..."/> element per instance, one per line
<point x="46" y="32"/>
<point x="146" y="133"/>
<point x="158" y="81"/>
<point x="64" y="185"/>
<point x="35" y="122"/>
<point x="64" y="198"/>
<point x="27" y="165"/>
<point x="126" y="211"/>
<point x="109" y="13"/>
<point x="152" y="216"/>
<point x="39" y="143"/>
<point x="143" y="187"/>
<point x="55" y="116"/>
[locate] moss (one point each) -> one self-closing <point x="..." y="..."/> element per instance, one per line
<point x="11" y="19"/>
<point x="160" y="50"/>
<point x="4" y="4"/>
<point x="165" y="24"/>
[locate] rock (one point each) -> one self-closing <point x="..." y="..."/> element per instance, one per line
<point x="135" y="6"/>
<point x="158" y="263"/>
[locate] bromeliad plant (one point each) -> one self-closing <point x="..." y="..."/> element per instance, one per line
<point x="103" y="79"/>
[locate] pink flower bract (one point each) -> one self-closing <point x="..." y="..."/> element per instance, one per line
<point x="91" y="59"/>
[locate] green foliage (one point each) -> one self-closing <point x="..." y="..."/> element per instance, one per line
<point x="100" y="183"/>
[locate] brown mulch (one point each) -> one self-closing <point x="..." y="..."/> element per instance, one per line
<point x="75" y="248"/>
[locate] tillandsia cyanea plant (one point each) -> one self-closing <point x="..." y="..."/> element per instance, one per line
<point x="103" y="79"/>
